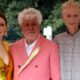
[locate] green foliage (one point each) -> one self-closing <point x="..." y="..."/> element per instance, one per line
<point x="12" y="14"/>
<point x="12" y="10"/>
<point x="55" y="20"/>
<point x="51" y="16"/>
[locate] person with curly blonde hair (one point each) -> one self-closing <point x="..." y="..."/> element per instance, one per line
<point x="69" y="41"/>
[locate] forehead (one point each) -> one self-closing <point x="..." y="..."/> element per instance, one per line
<point x="71" y="10"/>
<point x="1" y="20"/>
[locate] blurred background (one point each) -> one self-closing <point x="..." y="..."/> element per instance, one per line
<point x="51" y="9"/>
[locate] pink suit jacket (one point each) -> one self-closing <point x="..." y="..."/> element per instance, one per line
<point x="43" y="66"/>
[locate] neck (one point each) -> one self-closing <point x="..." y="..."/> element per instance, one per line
<point x="72" y="32"/>
<point x="29" y="42"/>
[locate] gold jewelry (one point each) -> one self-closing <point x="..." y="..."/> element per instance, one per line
<point x="6" y="33"/>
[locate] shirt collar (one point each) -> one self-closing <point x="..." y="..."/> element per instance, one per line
<point x="76" y="34"/>
<point x="31" y="43"/>
<point x="30" y="47"/>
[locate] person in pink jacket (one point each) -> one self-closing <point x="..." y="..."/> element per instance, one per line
<point x="35" y="58"/>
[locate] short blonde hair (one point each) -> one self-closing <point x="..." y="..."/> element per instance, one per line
<point x="70" y="3"/>
<point x="28" y="11"/>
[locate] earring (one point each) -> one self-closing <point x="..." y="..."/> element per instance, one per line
<point x="6" y="33"/>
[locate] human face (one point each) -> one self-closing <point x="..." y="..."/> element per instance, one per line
<point x="71" y="17"/>
<point x="31" y="29"/>
<point x="3" y="27"/>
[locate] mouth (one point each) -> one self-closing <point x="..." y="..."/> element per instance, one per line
<point x="72" y="23"/>
<point x="31" y="32"/>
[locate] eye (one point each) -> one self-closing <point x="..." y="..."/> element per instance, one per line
<point x="25" y="24"/>
<point x="68" y="15"/>
<point x="1" y="24"/>
<point x="75" y="15"/>
<point x="33" y="24"/>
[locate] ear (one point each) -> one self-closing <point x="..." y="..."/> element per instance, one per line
<point x="79" y="25"/>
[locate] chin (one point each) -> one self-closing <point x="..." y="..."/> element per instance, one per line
<point x="31" y="38"/>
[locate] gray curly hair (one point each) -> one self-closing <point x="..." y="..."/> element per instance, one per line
<point x="23" y="14"/>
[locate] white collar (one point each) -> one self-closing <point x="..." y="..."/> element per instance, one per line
<point x="30" y="47"/>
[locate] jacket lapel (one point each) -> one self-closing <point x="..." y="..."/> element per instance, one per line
<point x="22" y="52"/>
<point x="34" y="53"/>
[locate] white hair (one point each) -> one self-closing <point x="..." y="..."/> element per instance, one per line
<point x="70" y="3"/>
<point x="28" y="11"/>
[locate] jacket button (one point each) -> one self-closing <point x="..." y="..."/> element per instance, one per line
<point x="36" y="66"/>
<point x="50" y="79"/>
<point x="19" y="66"/>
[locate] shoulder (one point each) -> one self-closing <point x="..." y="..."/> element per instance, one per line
<point x="59" y="37"/>
<point x="50" y="43"/>
<point x="51" y="46"/>
<point x="6" y="45"/>
<point x="17" y="43"/>
<point x="45" y="42"/>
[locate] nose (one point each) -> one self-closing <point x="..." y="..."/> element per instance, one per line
<point x="72" y="18"/>
<point x="30" y="27"/>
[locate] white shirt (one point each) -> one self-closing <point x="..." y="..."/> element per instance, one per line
<point x="30" y="47"/>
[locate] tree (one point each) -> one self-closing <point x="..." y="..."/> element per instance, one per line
<point x="14" y="7"/>
<point x="12" y="14"/>
<point x="50" y="10"/>
<point x="55" y="20"/>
